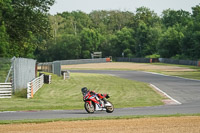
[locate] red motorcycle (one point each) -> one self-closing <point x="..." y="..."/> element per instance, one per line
<point x="96" y="103"/>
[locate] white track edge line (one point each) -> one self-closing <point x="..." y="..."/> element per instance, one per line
<point x="171" y="76"/>
<point x="165" y="94"/>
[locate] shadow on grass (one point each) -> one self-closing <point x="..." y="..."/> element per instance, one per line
<point x="21" y="94"/>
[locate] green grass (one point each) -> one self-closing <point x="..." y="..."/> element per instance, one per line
<point x="66" y="94"/>
<point x="92" y="118"/>
<point x="195" y="74"/>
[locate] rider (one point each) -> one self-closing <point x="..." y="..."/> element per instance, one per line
<point x="84" y="91"/>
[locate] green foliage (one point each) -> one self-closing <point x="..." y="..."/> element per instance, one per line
<point x="4" y="43"/>
<point x="26" y="30"/>
<point x="123" y="42"/>
<point x="153" y="56"/>
<point x="25" y="21"/>
<point x="170" y="43"/>
<point x="90" y="40"/>
<point x="5" y="64"/>
<point x="172" y="17"/>
<point x="147" y="16"/>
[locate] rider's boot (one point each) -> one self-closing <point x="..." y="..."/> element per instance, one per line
<point x="105" y="102"/>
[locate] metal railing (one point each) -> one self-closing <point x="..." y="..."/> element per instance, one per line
<point x="34" y="86"/>
<point x="66" y="74"/>
<point x="5" y="90"/>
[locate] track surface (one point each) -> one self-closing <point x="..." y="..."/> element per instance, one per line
<point x="185" y="91"/>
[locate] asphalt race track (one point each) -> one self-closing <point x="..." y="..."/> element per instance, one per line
<point x="185" y="92"/>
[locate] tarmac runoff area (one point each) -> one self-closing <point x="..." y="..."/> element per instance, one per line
<point x="180" y="90"/>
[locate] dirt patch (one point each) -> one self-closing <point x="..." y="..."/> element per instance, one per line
<point x="128" y="66"/>
<point x="190" y="124"/>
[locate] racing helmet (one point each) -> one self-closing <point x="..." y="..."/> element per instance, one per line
<point x="84" y="90"/>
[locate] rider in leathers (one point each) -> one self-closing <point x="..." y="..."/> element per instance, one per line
<point x="84" y="91"/>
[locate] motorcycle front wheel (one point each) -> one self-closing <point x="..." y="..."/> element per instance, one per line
<point x="110" y="109"/>
<point x="89" y="108"/>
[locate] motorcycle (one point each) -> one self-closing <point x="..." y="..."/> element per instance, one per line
<point x="94" y="103"/>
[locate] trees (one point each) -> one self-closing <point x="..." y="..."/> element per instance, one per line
<point x="25" y="21"/>
<point x="5" y="9"/>
<point x="170" y="43"/>
<point x="136" y="35"/>
<point x="67" y="47"/>
<point x="27" y="30"/>
<point x="123" y="42"/>
<point x="191" y="43"/>
<point x="172" y="17"/>
<point x="90" y="41"/>
<point x="4" y="43"/>
<point x="184" y="29"/>
<point x="147" y="28"/>
<point x="75" y="21"/>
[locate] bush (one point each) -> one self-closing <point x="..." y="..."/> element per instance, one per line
<point x="153" y="56"/>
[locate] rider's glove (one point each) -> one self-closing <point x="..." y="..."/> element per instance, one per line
<point x="107" y="96"/>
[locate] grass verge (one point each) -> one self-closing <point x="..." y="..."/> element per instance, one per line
<point x="66" y="94"/>
<point x="92" y="118"/>
<point x="195" y="74"/>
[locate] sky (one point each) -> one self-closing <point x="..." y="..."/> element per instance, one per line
<point x="88" y="6"/>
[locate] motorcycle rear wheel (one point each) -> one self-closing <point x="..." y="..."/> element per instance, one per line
<point x="89" y="108"/>
<point x="110" y="109"/>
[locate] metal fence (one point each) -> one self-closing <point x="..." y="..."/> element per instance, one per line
<point x="51" y="67"/>
<point x="46" y="67"/>
<point x="82" y="61"/>
<point x="180" y="62"/>
<point x="5" y="90"/>
<point x="24" y="70"/>
<point x="5" y="64"/>
<point x="137" y="60"/>
<point x="55" y="67"/>
<point x="162" y="60"/>
<point x="34" y="85"/>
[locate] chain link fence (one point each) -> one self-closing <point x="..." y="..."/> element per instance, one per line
<point x="137" y="60"/>
<point x="82" y="61"/>
<point x="180" y="62"/>
<point x="162" y="60"/>
<point x="55" y="67"/>
<point x="5" y="64"/>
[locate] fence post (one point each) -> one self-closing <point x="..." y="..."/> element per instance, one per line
<point x="31" y="90"/>
<point x="66" y="74"/>
<point x="28" y="90"/>
<point x="57" y="68"/>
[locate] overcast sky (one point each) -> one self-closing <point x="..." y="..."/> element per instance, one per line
<point x="124" y="5"/>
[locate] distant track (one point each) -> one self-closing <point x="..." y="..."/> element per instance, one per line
<point x="185" y="91"/>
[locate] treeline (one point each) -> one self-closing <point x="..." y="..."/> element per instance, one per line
<point x="24" y="26"/>
<point x="75" y="35"/>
